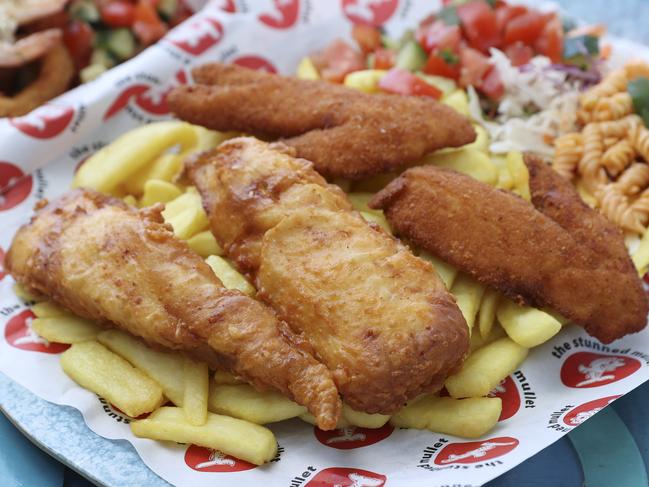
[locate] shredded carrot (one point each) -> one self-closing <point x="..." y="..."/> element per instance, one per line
<point x="605" y="51"/>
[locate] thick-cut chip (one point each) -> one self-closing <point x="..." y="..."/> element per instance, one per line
<point x="469" y="418"/>
<point x="529" y="327"/>
<point x="478" y="341"/>
<point x="485" y="368"/>
<point x="244" y="402"/>
<point x="197" y="384"/>
<point x="66" y="329"/>
<point x="229" y="276"/>
<point x="47" y="309"/>
<point x="166" y="368"/>
<point x="164" y="168"/>
<point x="469" y="161"/>
<point x="159" y="191"/>
<point x="117" y="162"/>
<point x="204" y="244"/>
<point x="487" y="313"/>
<point x="241" y="439"/>
<point x="468" y="293"/>
<point x="520" y="174"/>
<point x="93" y="366"/>
<point x="446" y="272"/>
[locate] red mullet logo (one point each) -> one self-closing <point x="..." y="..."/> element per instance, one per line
<point x="151" y="99"/>
<point x="45" y="122"/>
<point x="208" y="460"/>
<point x="352" y="436"/>
<point x="475" y="451"/>
<point x="581" y="413"/>
<point x="15" y="187"/>
<point x="347" y="477"/>
<point x="508" y="394"/>
<point x="19" y="334"/>
<point x="255" y="62"/>
<point x="228" y="6"/>
<point x="370" y="12"/>
<point x="198" y="36"/>
<point x="586" y="369"/>
<point x="283" y="14"/>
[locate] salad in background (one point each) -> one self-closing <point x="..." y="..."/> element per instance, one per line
<point x="516" y="70"/>
<point x="49" y="46"/>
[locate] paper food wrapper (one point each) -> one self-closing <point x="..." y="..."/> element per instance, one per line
<point x="560" y="385"/>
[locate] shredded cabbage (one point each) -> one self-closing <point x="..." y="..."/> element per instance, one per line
<point x="535" y="88"/>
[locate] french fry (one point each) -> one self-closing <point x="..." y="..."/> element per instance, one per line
<point x="186" y="215"/>
<point x="469" y="161"/>
<point x="118" y="161"/>
<point x="364" y="420"/>
<point x="165" y="168"/>
<point x="245" y="402"/>
<point x="48" y="309"/>
<point x="241" y="439"/>
<point x="130" y="200"/>
<point x="204" y="244"/>
<point x="159" y="191"/>
<point x="197" y="383"/>
<point x="94" y="367"/>
<point x="485" y="368"/>
<point x="458" y="100"/>
<point x="520" y="175"/>
<point x="445" y="85"/>
<point x="527" y="326"/>
<point x="446" y="272"/>
<point x="469" y="418"/>
<point x="641" y="255"/>
<point x="505" y="180"/>
<point x="468" y="294"/>
<point x="208" y="139"/>
<point x="25" y="295"/>
<point x="487" y="312"/>
<point x="377" y="219"/>
<point x="366" y="80"/>
<point x="307" y="70"/>
<point x="478" y="341"/>
<point x="166" y="368"/>
<point x="222" y="377"/>
<point x="481" y="141"/>
<point x="66" y="329"/>
<point x="229" y="276"/>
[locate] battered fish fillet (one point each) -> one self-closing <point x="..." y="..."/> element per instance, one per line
<point x="123" y="267"/>
<point x="377" y="316"/>
<point x="345" y="133"/>
<point x="561" y="254"/>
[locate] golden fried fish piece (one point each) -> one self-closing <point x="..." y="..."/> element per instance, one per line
<point x="345" y="133"/>
<point x="376" y="315"/>
<point x="111" y="263"/>
<point x="556" y="252"/>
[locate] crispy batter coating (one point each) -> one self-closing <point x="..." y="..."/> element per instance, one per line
<point x="375" y="314"/>
<point x="56" y="72"/>
<point x="344" y="132"/>
<point x="122" y="267"/>
<point x="563" y="255"/>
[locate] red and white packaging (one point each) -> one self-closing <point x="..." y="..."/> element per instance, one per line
<point x="560" y="385"/>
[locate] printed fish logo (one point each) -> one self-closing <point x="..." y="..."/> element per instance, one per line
<point x="209" y="460"/>
<point x="281" y="14"/>
<point x="369" y="12"/>
<point x="347" y="477"/>
<point x="587" y="369"/>
<point x="15" y="186"/>
<point x="475" y="451"/>
<point x="46" y="122"/>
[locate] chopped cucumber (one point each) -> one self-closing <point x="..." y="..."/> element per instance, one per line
<point x="119" y="42"/>
<point x="639" y="91"/>
<point x="85" y="10"/>
<point x="102" y="58"/>
<point x="167" y="8"/>
<point x="411" y="57"/>
<point x="580" y="50"/>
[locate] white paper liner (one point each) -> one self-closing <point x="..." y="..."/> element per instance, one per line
<point x="560" y="385"/>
